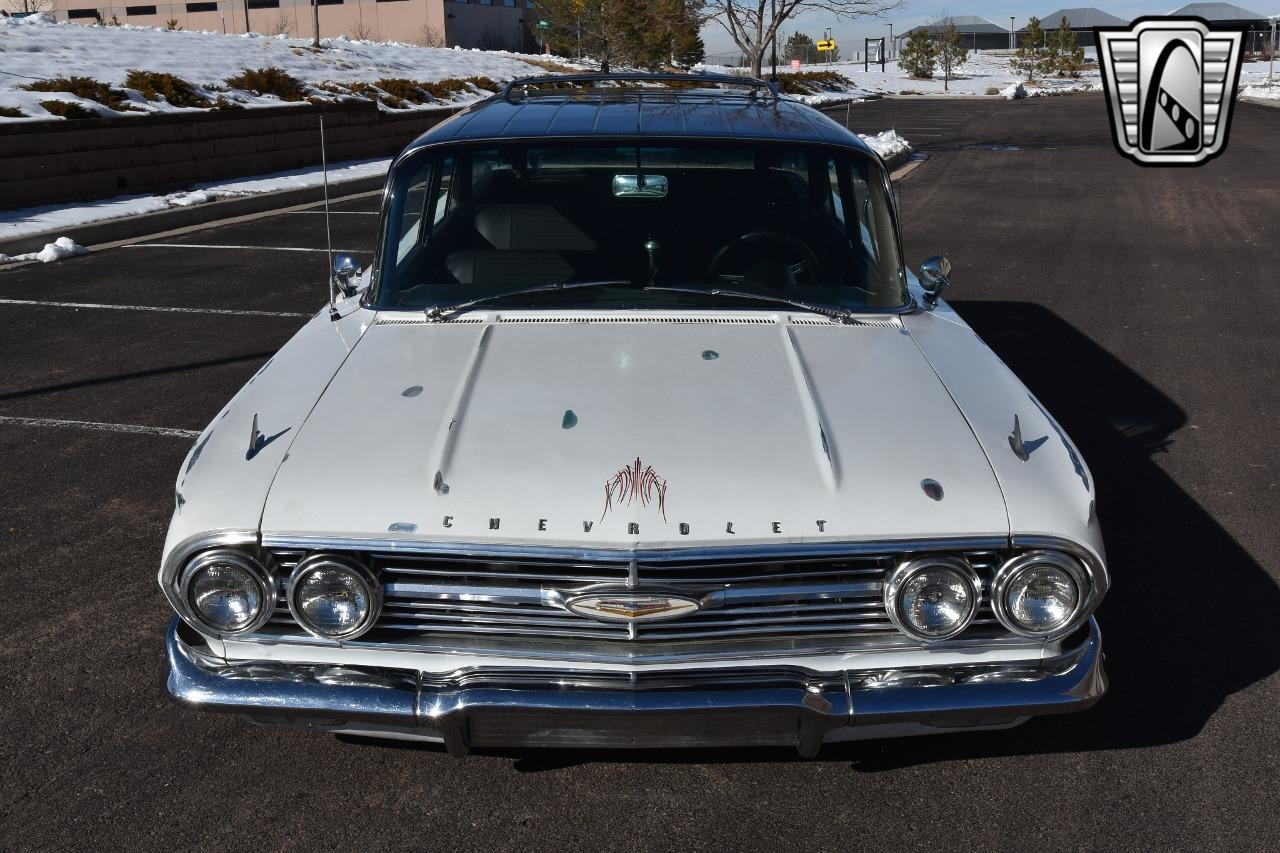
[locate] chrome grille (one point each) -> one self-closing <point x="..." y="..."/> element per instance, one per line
<point x="438" y="596"/>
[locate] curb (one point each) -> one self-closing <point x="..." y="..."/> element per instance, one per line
<point x="129" y="227"/>
<point x="1262" y="102"/>
<point x="897" y="160"/>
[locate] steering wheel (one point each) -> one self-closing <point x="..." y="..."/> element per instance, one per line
<point x="806" y="267"/>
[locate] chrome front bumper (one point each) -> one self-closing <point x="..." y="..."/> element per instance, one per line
<point x="527" y="707"/>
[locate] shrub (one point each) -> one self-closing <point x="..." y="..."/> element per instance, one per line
<point x="444" y="90"/>
<point x="11" y="112"/>
<point x="68" y="109"/>
<point x="154" y="85"/>
<point x="993" y="90"/>
<point x="812" y="82"/>
<point x="401" y="90"/>
<point x="269" y="81"/>
<point x="82" y="87"/>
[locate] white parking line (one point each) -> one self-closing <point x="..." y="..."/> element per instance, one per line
<point x="218" y="246"/>
<point x="337" y="212"/>
<point x="232" y="311"/>
<point x="102" y="427"/>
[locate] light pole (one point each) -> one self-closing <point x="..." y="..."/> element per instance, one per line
<point x="890" y="41"/>
<point x="1271" y="66"/>
<point x="1011" y="32"/>
<point x="773" y="42"/>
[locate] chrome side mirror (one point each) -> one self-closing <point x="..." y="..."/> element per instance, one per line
<point x="934" y="277"/>
<point x="346" y="270"/>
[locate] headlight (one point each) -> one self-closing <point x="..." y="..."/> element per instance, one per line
<point x="932" y="598"/>
<point x="227" y="592"/>
<point x="1040" y="594"/>
<point x="334" y="597"/>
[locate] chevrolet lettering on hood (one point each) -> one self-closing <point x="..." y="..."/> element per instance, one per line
<point x="635" y="430"/>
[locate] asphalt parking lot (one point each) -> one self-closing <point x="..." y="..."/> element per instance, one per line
<point x="1141" y="305"/>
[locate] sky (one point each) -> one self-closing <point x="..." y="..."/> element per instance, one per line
<point x="916" y="12"/>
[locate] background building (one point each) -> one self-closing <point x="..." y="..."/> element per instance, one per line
<point x="978" y="33"/>
<point x="1082" y="21"/>
<point x="488" y="24"/>
<point x="1257" y="27"/>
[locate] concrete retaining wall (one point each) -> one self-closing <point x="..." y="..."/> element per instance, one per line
<point x="47" y="162"/>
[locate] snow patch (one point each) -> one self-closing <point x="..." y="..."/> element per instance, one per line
<point x="886" y="143"/>
<point x="63" y="247"/>
<point x="1262" y="90"/>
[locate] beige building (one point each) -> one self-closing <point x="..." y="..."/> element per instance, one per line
<point x="488" y="24"/>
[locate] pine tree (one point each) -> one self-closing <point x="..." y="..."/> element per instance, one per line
<point x="952" y="52"/>
<point x="800" y="46"/>
<point x="919" y="55"/>
<point x="1067" y="54"/>
<point x="1033" y="56"/>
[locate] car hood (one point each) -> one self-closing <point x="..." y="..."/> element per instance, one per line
<point x="635" y="431"/>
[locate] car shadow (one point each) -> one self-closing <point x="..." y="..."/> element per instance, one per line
<point x="1190" y="618"/>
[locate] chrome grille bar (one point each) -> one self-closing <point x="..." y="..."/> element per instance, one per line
<point x="819" y="594"/>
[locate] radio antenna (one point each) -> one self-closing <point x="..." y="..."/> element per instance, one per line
<point x="328" y="236"/>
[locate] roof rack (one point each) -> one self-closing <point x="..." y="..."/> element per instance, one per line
<point x="520" y="86"/>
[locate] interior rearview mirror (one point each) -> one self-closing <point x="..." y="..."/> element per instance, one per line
<point x="640" y="186"/>
<point x="935" y="275"/>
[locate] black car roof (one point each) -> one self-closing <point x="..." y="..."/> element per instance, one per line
<point x="527" y="109"/>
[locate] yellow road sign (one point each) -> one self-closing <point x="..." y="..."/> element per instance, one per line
<point x="827" y="45"/>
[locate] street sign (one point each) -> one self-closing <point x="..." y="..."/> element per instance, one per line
<point x="827" y="44"/>
<point x="544" y="25"/>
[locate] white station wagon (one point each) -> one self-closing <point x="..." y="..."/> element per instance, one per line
<point x="636" y="432"/>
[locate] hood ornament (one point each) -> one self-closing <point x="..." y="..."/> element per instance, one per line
<point x="636" y="481"/>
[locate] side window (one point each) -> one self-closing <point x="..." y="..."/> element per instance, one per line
<point x="868" y="227"/>
<point x="837" y="203"/>
<point x="413" y="210"/>
<point x="851" y="202"/>
<point x="444" y="199"/>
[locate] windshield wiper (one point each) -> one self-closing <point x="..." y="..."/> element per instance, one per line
<point x="442" y="313"/>
<point x="835" y="312"/>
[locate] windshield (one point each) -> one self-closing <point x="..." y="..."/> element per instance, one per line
<point x="797" y="222"/>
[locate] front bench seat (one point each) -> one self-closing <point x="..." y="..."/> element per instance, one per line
<point x="527" y="241"/>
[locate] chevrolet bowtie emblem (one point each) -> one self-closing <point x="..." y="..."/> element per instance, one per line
<point x="631" y="607"/>
<point x="1170" y="83"/>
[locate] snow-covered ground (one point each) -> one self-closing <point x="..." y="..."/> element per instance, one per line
<point x="65" y="217"/>
<point x="1261" y="89"/>
<point x="39" y="48"/>
<point x="981" y="74"/>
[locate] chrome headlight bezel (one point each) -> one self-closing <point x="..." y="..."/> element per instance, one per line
<point x="350" y="565"/>
<point x="904" y="572"/>
<point x="262" y="577"/>
<point x="1069" y="565"/>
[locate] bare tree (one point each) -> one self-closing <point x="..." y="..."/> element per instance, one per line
<point x="753" y="24"/>
<point x="29" y="6"/>
<point x="280" y="26"/>
<point x="315" y="20"/>
<point x="429" y="36"/>
<point x="360" y="31"/>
